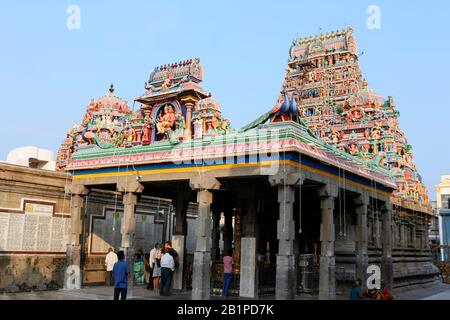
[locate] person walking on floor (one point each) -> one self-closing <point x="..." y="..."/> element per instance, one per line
<point x="168" y="247"/>
<point x="122" y="273"/>
<point x="110" y="260"/>
<point x="167" y="269"/>
<point x="227" y="272"/>
<point x="151" y="261"/>
<point x="157" y="268"/>
<point x="176" y="258"/>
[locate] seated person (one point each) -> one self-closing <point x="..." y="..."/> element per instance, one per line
<point x="358" y="293"/>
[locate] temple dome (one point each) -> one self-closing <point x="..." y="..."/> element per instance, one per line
<point x="368" y="95"/>
<point x="109" y="103"/>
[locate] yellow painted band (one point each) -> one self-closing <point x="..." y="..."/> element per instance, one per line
<point x="228" y="166"/>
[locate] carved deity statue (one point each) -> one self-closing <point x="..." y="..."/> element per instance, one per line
<point x="335" y="136"/>
<point x="353" y="149"/>
<point x="167" y="120"/>
<point x="198" y="128"/>
<point x="147" y="130"/>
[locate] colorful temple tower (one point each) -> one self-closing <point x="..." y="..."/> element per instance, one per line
<point x="329" y="156"/>
<point x="107" y="123"/>
<point x="174" y="108"/>
<point x="325" y="90"/>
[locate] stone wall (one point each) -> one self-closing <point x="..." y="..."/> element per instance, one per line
<point x="24" y="263"/>
<point x="25" y="272"/>
<point x="411" y="252"/>
<point x="29" y="267"/>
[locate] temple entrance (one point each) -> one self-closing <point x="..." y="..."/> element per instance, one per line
<point x="307" y="227"/>
<point x="245" y="222"/>
<point x="256" y="215"/>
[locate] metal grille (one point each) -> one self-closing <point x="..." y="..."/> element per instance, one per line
<point x="306" y="274"/>
<point x="340" y="280"/>
<point x="266" y="279"/>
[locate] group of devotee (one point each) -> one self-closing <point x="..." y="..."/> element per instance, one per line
<point x="360" y="293"/>
<point x="160" y="265"/>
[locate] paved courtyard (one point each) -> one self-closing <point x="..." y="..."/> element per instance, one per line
<point x="436" y="291"/>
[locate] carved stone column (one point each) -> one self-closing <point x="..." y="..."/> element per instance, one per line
<point x="189" y="103"/>
<point x="387" y="269"/>
<point x="72" y="275"/>
<point x="215" y="233"/>
<point x="249" y="240"/>
<point x="286" y="278"/>
<point x="414" y="240"/>
<point x="327" y="278"/>
<point x="130" y="190"/>
<point x="201" y="275"/>
<point x="237" y="241"/>
<point x="228" y="229"/>
<point x="362" y="260"/>
<point x="179" y="237"/>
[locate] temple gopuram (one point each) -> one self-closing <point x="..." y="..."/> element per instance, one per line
<point x="306" y="196"/>
<point x="334" y="101"/>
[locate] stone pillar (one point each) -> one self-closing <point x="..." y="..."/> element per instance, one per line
<point x="201" y="275"/>
<point x="215" y="234"/>
<point x="414" y="239"/>
<point x="189" y="103"/>
<point x="387" y="269"/>
<point x="72" y="275"/>
<point x="327" y="277"/>
<point x="362" y="260"/>
<point x="228" y="230"/>
<point x="248" y="280"/>
<point x="403" y="234"/>
<point x="425" y="236"/>
<point x="286" y="284"/>
<point x="249" y="216"/>
<point x="237" y="234"/>
<point x="128" y="225"/>
<point x="179" y="237"/>
<point x="248" y="268"/>
<point x="179" y="244"/>
<point x="130" y="189"/>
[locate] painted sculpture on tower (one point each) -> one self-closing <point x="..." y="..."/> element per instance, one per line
<point x="174" y="108"/>
<point x="325" y="88"/>
<point x="169" y="125"/>
<point x="208" y="120"/>
<point x="181" y="109"/>
<point x="338" y="106"/>
<point x="106" y="123"/>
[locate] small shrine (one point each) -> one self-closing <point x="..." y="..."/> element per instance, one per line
<point x="174" y="108"/>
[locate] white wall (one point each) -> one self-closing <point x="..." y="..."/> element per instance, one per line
<point x="23" y="156"/>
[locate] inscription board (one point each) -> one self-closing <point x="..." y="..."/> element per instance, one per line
<point x="35" y="229"/>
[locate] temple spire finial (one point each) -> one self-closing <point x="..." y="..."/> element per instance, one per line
<point x="111" y="89"/>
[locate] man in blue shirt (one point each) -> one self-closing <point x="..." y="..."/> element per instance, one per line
<point x="122" y="273"/>
<point x="358" y="293"/>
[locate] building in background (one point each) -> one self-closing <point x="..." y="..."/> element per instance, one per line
<point x="32" y="157"/>
<point x="443" y="210"/>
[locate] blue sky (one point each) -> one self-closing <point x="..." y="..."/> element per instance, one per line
<point x="49" y="73"/>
